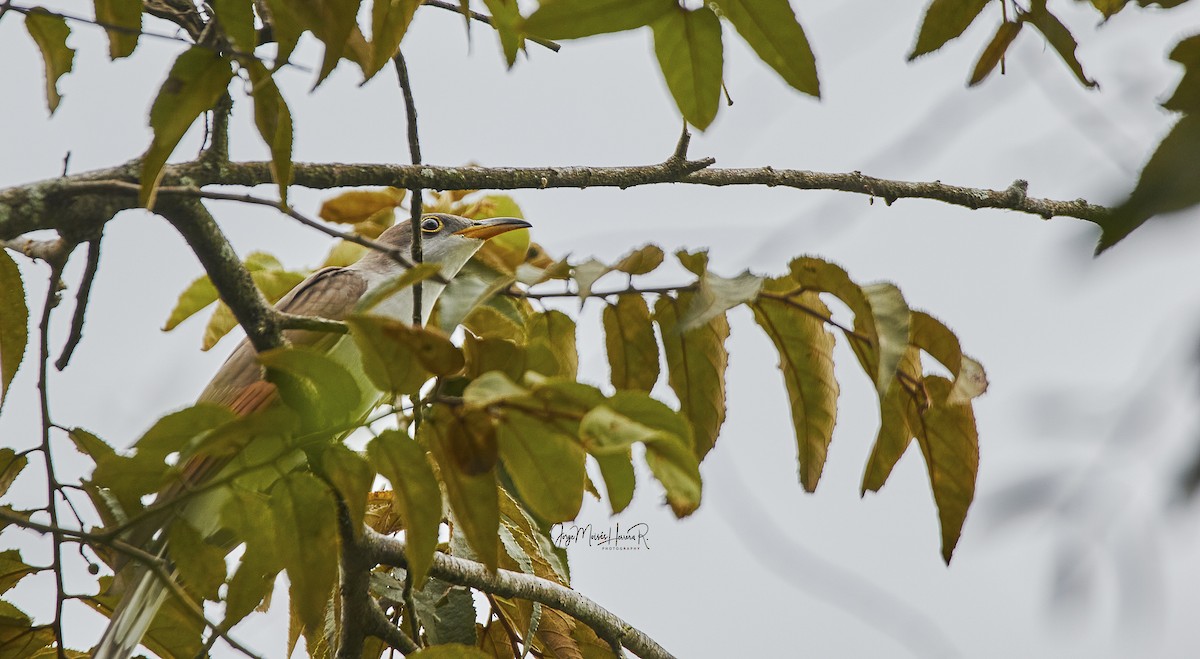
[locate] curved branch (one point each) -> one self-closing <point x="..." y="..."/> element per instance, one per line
<point x="462" y="572"/>
<point x="225" y="269"/>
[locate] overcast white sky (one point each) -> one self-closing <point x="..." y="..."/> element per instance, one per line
<point x="1092" y="406"/>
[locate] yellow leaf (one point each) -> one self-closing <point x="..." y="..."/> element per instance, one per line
<point x="950" y="443"/>
<point x="632" y="348"/>
<point x="354" y="206"/>
<point x="399" y="357"/>
<point x="806" y="362"/>
<point x="696" y="363"/>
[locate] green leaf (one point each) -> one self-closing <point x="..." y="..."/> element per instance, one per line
<point x="550" y="345"/>
<point x="950" y="443"/>
<point x="894" y="434"/>
<point x="306" y="524"/>
<point x="545" y="464"/>
<point x="1060" y="38"/>
<point x="498" y="319"/>
<point x="198" y="295"/>
<point x="688" y="46"/>
<point x="50" y="32"/>
<point x="237" y="19"/>
<point x="994" y="52"/>
<point x="332" y="22"/>
<point x="121" y="13"/>
<point x="11" y="466"/>
<point x="491" y="388"/>
<point x="352" y="477"/>
<point x="945" y="20"/>
<point x="572" y="19"/>
<point x="632" y="348"/>
<point x="716" y="295"/>
<point x="447" y="612"/>
<point x="316" y="387"/>
<point x="399" y="357"/>
<point x="14" y="322"/>
<point x="175" y="432"/>
<point x="404" y="463"/>
<point x="90" y="445"/>
<point x="286" y="28"/>
<point x="506" y="20"/>
<point x="696" y="364"/>
<point x="389" y="23"/>
<point x="772" y="30"/>
<point x="1167" y="184"/>
<point x="201" y="565"/>
<point x="1187" y="94"/>
<point x="197" y="80"/>
<point x="473" y="285"/>
<point x="12" y="568"/>
<point x="806" y="361"/>
<point x="274" y="123"/>
<point x="619" y="478"/>
<point x="1109" y="7"/>
<point x="668" y="454"/>
<point x="605" y="431"/>
<point x="484" y="355"/>
<point x="452" y="438"/>
<point x="248" y="515"/>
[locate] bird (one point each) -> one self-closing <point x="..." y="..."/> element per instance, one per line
<point x="334" y="293"/>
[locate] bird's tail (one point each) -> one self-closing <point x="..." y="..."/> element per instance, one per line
<point x="132" y="618"/>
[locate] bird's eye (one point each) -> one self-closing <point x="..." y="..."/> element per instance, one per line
<point x="431" y="225"/>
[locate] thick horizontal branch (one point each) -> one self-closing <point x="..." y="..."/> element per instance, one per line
<point x="505" y="583"/>
<point x="70" y="203"/>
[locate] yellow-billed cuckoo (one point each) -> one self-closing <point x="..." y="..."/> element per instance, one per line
<point x="448" y="241"/>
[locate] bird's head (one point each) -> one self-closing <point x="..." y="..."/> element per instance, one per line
<point x="447" y="240"/>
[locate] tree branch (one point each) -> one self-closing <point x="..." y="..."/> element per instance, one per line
<point x="225" y="269"/>
<point x="81" y="303"/>
<point x="355" y="582"/>
<point x="74" y="202"/>
<point x="504" y="583"/>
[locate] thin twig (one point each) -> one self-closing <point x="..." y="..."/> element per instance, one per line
<point x="121" y="29"/>
<point x="155" y="564"/>
<point x="505" y="583"/>
<point x="188" y="191"/>
<point x="81" y="303"/>
<point x="514" y="639"/>
<point x="52" y="486"/>
<point x="414" y="149"/>
<point x="484" y="18"/>
<point x="381" y="627"/>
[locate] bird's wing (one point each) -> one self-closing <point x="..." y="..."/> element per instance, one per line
<point x="328" y="293"/>
<point x="239" y="385"/>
